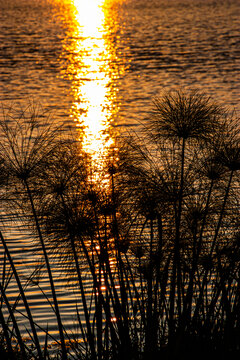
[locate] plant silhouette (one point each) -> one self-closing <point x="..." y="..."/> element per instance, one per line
<point x="151" y="252"/>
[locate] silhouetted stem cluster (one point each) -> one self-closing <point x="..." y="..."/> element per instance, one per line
<point x="150" y="243"/>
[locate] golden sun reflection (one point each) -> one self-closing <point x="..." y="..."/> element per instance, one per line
<point x="89" y="68"/>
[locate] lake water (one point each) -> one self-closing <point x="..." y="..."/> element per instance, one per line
<point x="99" y="64"/>
<point x="111" y="58"/>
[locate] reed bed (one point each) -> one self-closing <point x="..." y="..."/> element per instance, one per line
<point x="151" y="244"/>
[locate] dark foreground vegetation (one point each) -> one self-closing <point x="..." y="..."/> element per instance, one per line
<point x="155" y="233"/>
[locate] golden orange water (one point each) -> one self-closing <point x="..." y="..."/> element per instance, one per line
<point x="92" y="74"/>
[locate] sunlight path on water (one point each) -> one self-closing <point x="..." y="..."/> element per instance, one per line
<point x="92" y="75"/>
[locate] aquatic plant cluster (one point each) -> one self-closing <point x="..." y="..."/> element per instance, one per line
<point x="156" y="233"/>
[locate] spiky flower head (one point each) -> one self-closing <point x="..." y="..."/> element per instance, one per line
<point x="178" y="115"/>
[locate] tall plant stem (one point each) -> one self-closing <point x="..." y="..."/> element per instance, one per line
<point x="222" y="212"/>
<point x="14" y="321"/>
<point x="124" y="303"/>
<point x="6" y="335"/>
<point x="107" y="273"/>
<point x="29" y="314"/>
<point x="56" y="306"/>
<point x="176" y="271"/>
<point x="214" y="242"/>
<point x="80" y="281"/>
<point x="196" y="252"/>
<point x="150" y="331"/>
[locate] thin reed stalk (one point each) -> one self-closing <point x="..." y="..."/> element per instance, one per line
<point x="19" y="284"/>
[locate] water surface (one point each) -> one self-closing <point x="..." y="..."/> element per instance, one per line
<point x="99" y="64"/>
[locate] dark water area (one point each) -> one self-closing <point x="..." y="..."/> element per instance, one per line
<point x="110" y="73"/>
